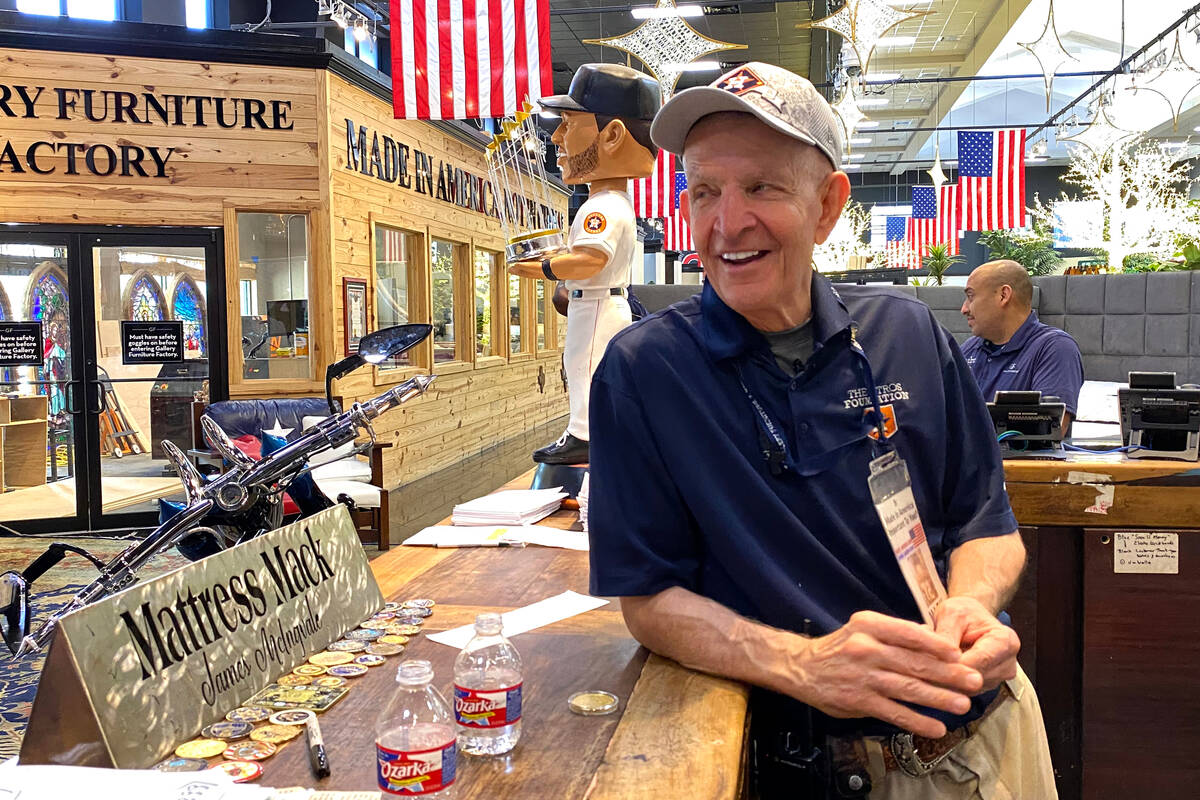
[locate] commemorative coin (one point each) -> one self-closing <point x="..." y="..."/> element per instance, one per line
<point x="406" y="629"/>
<point x="403" y="620"/>
<point x="369" y="660"/>
<point x="311" y="670"/>
<point x="249" y="751"/>
<point x="292" y="679"/>
<point x="248" y="714"/>
<point x="182" y="765"/>
<point x="365" y="634"/>
<point x="330" y="659"/>
<point x="415" y="611"/>
<point x="419" y="602"/>
<point x="240" y="771"/>
<point x="227" y="730"/>
<point x="348" y="646"/>
<point x="202" y="748"/>
<point x="329" y="681"/>
<point x="391" y="605"/>
<point x="348" y="670"/>
<point x="385" y="648"/>
<point x="392" y="638"/>
<point x="275" y="734"/>
<point x="292" y="716"/>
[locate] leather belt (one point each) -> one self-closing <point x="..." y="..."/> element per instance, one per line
<point x="916" y="755"/>
<point x="596" y="294"/>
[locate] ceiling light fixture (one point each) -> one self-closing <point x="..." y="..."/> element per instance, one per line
<point x="873" y="102"/>
<point x="360" y="30"/>
<point x="656" y="12"/>
<point x="883" y="77"/>
<point x="896" y="41"/>
<point x="861" y="140"/>
<point x="866" y="123"/>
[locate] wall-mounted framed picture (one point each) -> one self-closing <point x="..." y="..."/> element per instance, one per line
<point x="354" y="307"/>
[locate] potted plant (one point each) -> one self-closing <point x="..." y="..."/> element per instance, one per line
<point x="937" y="262"/>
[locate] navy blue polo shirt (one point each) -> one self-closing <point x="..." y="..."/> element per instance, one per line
<point x="1037" y="357"/>
<point x="681" y="494"/>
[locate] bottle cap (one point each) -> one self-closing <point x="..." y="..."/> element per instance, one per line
<point x="489" y="624"/>
<point x="593" y="703"/>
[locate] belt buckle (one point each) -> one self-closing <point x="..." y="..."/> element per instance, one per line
<point x="908" y="759"/>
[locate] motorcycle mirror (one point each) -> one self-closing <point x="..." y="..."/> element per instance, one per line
<point x="374" y="348"/>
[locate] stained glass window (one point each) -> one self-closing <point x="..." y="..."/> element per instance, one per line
<point x="49" y="298"/>
<point x="188" y="307"/>
<point x="144" y="301"/>
<point x="48" y="304"/>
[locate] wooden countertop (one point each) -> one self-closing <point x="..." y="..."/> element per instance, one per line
<point x="1101" y="491"/>
<point x="677" y="732"/>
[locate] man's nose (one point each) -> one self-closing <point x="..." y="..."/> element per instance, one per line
<point x="734" y="215"/>
<point x="966" y="308"/>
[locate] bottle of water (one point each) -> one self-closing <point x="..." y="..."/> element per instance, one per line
<point x="414" y="740"/>
<point x="487" y="691"/>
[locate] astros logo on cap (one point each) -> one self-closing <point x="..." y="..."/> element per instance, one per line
<point x="594" y="222"/>
<point x="741" y="81"/>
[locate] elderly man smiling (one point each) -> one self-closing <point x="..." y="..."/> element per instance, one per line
<point x="730" y="507"/>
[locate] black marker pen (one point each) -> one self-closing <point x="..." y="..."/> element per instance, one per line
<point x="317" y="756"/>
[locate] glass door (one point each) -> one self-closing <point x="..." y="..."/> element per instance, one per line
<point x="40" y="403"/>
<point x="147" y="287"/>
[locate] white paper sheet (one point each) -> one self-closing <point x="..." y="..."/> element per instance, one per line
<point x="497" y="536"/>
<point x="531" y="617"/>
<point x="38" y="782"/>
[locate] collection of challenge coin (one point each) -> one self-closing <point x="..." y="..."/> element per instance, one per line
<point x="311" y="688"/>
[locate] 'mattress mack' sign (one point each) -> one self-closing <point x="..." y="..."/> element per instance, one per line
<point x="162" y="659"/>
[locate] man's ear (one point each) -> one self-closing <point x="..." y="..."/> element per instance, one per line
<point x="613" y="135"/>
<point x="1006" y="294"/>
<point x="834" y="193"/>
<point x="685" y="207"/>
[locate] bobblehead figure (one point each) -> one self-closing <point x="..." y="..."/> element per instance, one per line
<point x="603" y="141"/>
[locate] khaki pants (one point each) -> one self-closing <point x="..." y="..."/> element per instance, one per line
<point x="1007" y="758"/>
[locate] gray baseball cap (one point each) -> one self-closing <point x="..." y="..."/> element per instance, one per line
<point x="781" y="99"/>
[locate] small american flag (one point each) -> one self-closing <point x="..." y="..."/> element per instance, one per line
<point x="935" y="219"/>
<point x="655" y="195"/>
<point x="991" y="179"/>
<point x="677" y="235"/>
<point x="896" y="243"/>
<point x="462" y="59"/>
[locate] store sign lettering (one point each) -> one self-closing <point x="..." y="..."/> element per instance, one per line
<point x="127" y="159"/>
<point x="385" y="159"/>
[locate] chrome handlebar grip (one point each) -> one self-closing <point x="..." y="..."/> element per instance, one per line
<point x="219" y="440"/>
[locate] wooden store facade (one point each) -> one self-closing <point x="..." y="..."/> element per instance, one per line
<point x="253" y="197"/>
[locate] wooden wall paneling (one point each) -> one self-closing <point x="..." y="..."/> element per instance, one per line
<point x="473" y="405"/>
<point x="1141" y="644"/>
<point x="208" y="165"/>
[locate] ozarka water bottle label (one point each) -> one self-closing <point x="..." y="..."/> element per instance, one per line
<point x="487" y="708"/>
<point x="415" y="772"/>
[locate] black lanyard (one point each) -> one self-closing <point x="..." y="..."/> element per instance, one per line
<point x="770" y="440"/>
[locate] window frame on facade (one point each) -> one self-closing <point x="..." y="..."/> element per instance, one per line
<point x="549" y="343"/>
<point x="498" y="326"/>
<point x="462" y="283"/>
<point x="419" y="295"/>
<point x="317" y="274"/>
<point x="524" y="303"/>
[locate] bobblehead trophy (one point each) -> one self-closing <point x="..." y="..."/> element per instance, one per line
<point x="603" y="141"/>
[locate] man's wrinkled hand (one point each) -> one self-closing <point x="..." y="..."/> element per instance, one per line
<point x="874" y="663"/>
<point x="987" y="644"/>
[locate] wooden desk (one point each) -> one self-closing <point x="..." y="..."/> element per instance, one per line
<point x="1112" y="654"/>
<point x="678" y="733"/>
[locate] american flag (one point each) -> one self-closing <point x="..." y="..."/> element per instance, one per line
<point x="461" y="59"/>
<point x="391" y="245"/>
<point x="936" y="219"/>
<point x="655" y="195"/>
<point x="896" y="243"/>
<point x="676" y="234"/>
<point x="991" y="178"/>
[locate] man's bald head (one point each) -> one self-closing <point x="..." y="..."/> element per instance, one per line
<point x="1006" y="272"/>
<point x="999" y="298"/>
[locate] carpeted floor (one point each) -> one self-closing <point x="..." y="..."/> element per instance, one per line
<point x="18" y="679"/>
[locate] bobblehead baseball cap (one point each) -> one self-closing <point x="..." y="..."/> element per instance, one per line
<point x="781" y="99"/>
<point x="612" y="90"/>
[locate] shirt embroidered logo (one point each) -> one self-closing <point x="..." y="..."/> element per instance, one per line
<point x="889" y="421"/>
<point x="741" y="82"/>
<point x="594" y="222"/>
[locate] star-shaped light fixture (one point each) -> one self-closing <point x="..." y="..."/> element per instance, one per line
<point x="848" y="113"/>
<point x="1101" y="135"/>
<point x="1049" y="51"/>
<point x="863" y="23"/>
<point x="1174" y="81"/>
<point x="935" y="172"/>
<point x="664" y="44"/>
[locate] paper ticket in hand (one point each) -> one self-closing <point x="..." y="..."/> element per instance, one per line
<point x="892" y="494"/>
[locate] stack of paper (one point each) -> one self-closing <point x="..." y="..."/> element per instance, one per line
<point x="497" y="536"/>
<point x="513" y="507"/>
